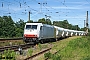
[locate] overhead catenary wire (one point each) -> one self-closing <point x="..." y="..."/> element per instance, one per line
<point x="46" y="8"/>
<point x="87" y="1"/>
<point x="21" y="5"/>
<point x="2" y="4"/>
<point x="68" y="9"/>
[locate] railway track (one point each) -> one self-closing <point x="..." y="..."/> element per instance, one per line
<point x="10" y="41"/>
<point x="31" y="57"/>
<point x="3" y="39"/>
<point x="39" y="53"/>
<point x="24" y="46"/>
<point x="16" y="47"/>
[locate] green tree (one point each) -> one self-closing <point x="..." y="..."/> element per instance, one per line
<point x="70" y="26"/>
<point x="19" y="28"/>
<point x="48" y="21"/>
<point x="20" y="24"/>
<point x="42" y="21"/>
<point x="83" y="29"/>
<point x="8" y="26"/>
<point x="75" y="27"/>
<point x="19" y="32"/>
<point x="1" y="25"/>
<point x="63" y="24"/>
<point x="56" y="23"/>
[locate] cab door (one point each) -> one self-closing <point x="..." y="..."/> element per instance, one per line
<point x="41" y="32"/>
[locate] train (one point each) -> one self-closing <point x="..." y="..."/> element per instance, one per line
<point x="38" y="32"/>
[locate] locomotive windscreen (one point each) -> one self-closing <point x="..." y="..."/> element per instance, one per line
<point x="31" y="26"/>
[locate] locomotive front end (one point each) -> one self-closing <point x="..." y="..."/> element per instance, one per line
<point x="31" y="32"/>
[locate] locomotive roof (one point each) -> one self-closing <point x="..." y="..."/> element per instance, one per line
<point x="33" y="23"/>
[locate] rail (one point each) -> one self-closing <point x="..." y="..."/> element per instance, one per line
<point x="19" y="38"/>
<point x="15" y="47"/>
<point x="30" y="57"/>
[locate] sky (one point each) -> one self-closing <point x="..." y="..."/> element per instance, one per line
<point x="58" y="10"/>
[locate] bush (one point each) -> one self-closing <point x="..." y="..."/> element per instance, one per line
<point x="52" y="56"/>
<point x="87" y="58"/>
<point x="9" y="55"/>
<point x="40" y="46"/>
<point x="47" y="55"/>
<point x="56" y="57"/>
<point x="30" y="51"/>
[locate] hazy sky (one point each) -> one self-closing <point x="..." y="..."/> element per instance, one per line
<point x="72" y="10"/>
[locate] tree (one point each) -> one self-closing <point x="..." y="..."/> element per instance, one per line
<point x="56" y="23"/>
<point x="20" y="24"/>
<point x="48" y="21"/>
<point x="42" y="21"/>
<point x="19" y="32"/>
<point x="63" y="24"/>
<point x="19" y="28"/>
<point x="8" y="26"/>
<point x="1" y="25"/>
<point x="70" y="26"/>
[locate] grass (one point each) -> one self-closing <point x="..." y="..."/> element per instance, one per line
<point x="73" y="48"/>
<point x="76" y="49"/>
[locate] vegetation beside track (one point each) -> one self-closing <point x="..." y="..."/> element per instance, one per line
<point x="8" y="55"/>
<point x="32" y="51"/>
<point x="73" y="48"/>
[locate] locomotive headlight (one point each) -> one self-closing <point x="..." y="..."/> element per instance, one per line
<point x="35" y="35"/>
<point x="25" y="35"/>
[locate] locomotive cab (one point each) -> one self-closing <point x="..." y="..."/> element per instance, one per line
<point x="31" y="32"/>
